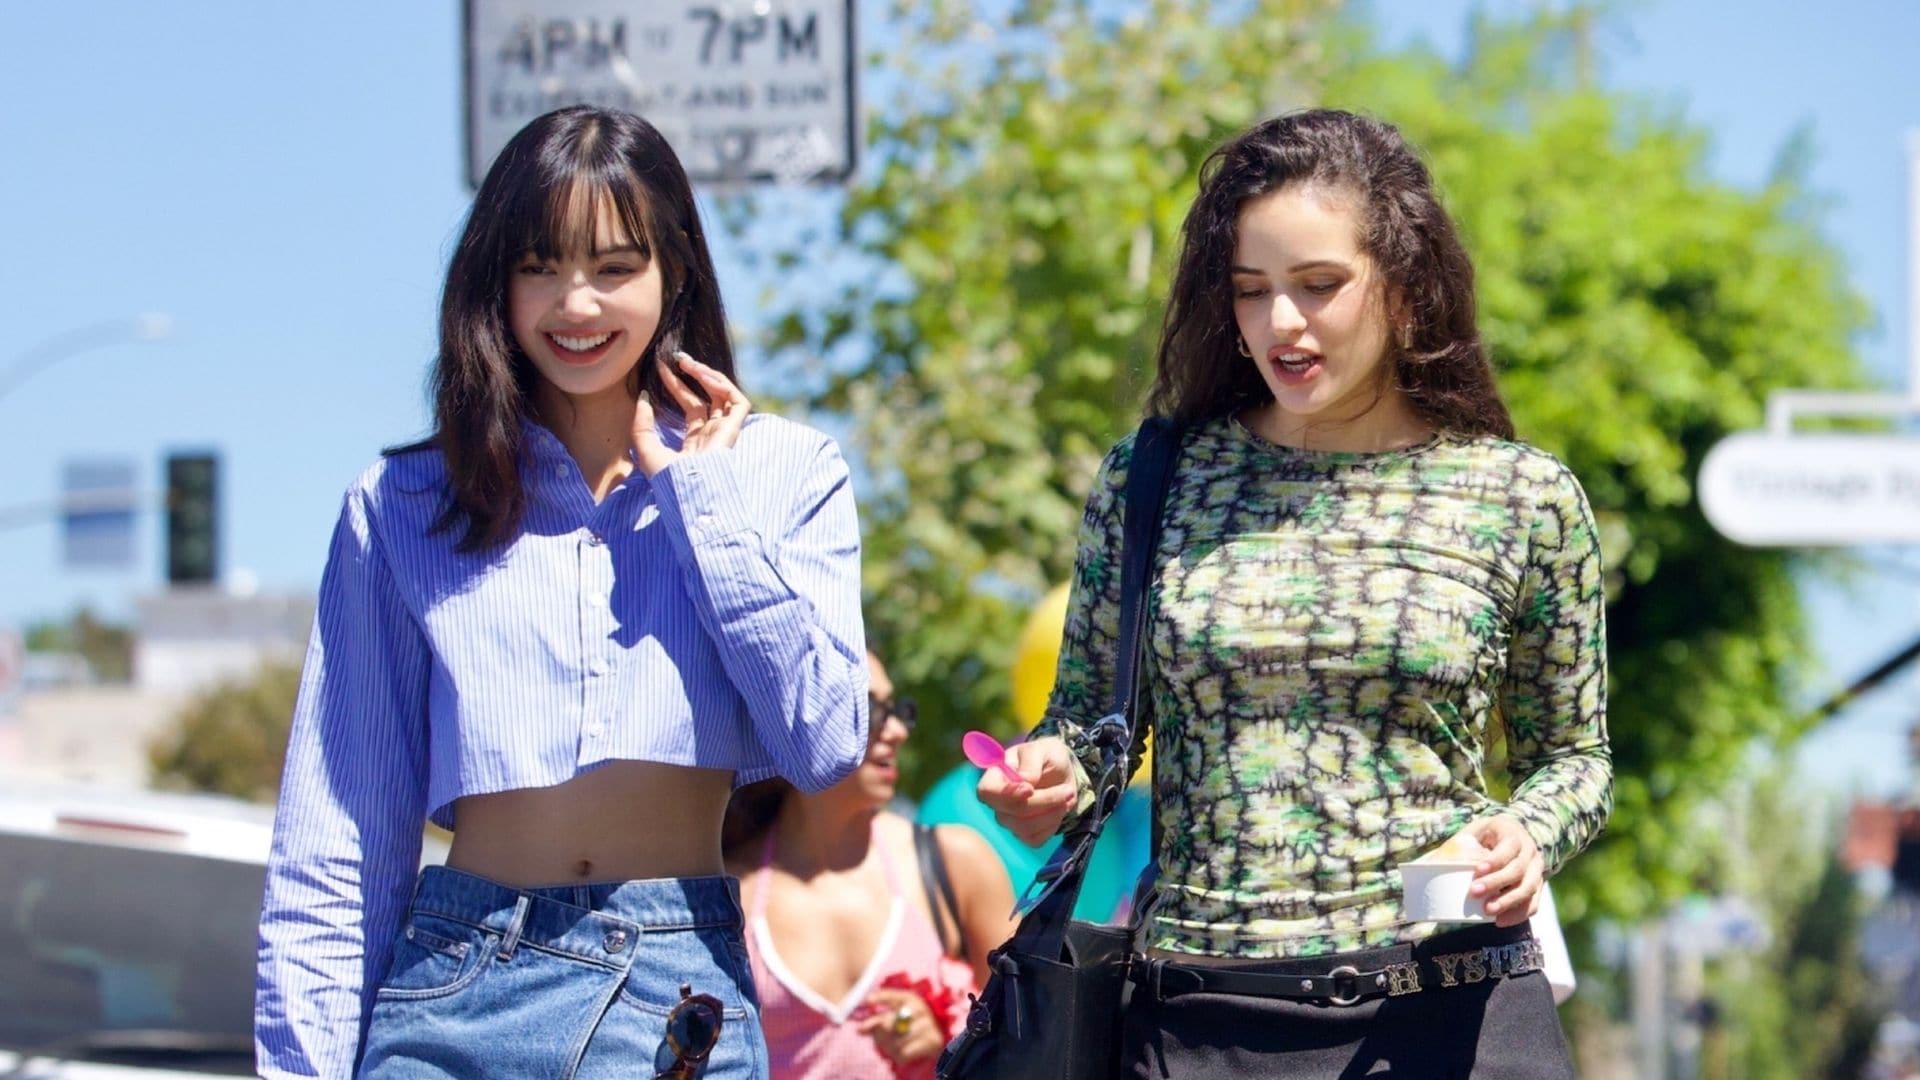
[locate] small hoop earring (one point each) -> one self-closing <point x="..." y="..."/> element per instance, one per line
<point x="1241" y="343"/>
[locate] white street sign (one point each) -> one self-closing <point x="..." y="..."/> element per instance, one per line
<point x="744" y="91"/>
<point x="1767" y="490"/>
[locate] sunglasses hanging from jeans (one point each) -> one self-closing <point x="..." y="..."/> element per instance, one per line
<point x="693" y="1029"/>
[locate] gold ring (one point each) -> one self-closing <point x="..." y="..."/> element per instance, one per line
<point x="903" y="1020"/>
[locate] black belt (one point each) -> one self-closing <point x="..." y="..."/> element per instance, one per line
<point x="1456" y="958"/>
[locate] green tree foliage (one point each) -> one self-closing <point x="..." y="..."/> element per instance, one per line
<point x="1031" y="187"/>
<point x="1805" y="1005"/>
<point x="107" y="647"/>
<point x="232" y="738"/>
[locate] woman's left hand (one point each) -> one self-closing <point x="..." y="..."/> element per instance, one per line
<point x="901" y="1024"/>
<point x="711" y="424"/>
<point x="1508" y="880"/>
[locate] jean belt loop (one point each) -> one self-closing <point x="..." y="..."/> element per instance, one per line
<point x="514" y="926"/>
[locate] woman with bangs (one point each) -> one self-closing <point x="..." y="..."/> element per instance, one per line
<point x="602" y="594"/>
<point x="1360" y="578"/>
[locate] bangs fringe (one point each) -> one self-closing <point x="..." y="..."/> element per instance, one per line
<point x="561" y="215"/>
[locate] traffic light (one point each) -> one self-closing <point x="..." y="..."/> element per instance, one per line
<point x="193" y="519"/>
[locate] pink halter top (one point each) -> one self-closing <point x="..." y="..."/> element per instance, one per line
<point x="811" y="1038"/>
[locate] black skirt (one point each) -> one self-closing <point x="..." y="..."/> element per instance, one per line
<point x="1454" y="1026"/>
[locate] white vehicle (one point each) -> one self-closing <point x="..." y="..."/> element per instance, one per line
<point x="128" y="922"/>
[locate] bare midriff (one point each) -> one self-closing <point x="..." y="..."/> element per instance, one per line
<point x="623" y="821"/>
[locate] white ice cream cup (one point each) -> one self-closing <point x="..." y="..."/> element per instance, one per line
<point x="1437" y="892"/>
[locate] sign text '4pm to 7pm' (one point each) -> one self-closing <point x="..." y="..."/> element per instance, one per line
<point x="760" y="92"/>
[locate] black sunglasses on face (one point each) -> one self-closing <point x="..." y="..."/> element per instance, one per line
<point x="879" y="712"/>
<point x="693" y="1029"/>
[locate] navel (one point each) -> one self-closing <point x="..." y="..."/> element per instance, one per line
<point x="583" y="868"/>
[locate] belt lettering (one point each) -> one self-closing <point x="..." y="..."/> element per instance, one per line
<point x="1475" y="966"/>
<point x="1478" y="965"/>
<point x="1403" y="979"/>
<point x="1519" y="958"/>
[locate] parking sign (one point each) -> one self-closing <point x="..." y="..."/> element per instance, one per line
<point x="745" y="92"/>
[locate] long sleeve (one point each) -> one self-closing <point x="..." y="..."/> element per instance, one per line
<point x="1083" y="685"/>
<point x="780" y="599"/>
<point x="1555" y="700"/>
<point x="347" y="835"/>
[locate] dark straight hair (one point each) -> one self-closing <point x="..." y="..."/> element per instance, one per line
<point x="1437" y="358"/>
<point x="542" y="197"/>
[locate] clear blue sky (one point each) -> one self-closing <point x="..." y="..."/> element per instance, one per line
<point x="285" y="181"/>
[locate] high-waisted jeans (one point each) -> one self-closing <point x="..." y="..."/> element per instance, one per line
<point x="568" y="982"/>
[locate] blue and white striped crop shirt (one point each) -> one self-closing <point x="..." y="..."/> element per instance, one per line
<point x="709" y="616"/>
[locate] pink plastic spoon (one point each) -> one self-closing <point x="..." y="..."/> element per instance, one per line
<point x="985" y="751"/>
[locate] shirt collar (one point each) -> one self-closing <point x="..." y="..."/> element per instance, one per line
<point x="543" y="447"/>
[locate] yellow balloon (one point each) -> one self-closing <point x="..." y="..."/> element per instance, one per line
<point x="1035" y="659"/>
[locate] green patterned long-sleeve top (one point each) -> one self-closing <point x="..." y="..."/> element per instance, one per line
<point x="1331" y="639"/>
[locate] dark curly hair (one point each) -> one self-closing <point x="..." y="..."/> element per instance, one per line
<point x="1438" y="360"/>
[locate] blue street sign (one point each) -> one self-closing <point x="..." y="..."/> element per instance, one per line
<point x="97" y="504"/>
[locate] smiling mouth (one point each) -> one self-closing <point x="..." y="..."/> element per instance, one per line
<point x="581" y="348"/>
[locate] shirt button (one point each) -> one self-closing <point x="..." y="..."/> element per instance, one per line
<point x="595" y="539"/>
<point x="559" y="472"/>
<point x="595" y="729"/>
<point x="615" y="940"/>
<point x="705" y="520"/>
<point x="596" y="600"/>
<point x="599" y="668"/>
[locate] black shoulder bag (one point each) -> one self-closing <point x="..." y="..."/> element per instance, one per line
<point x="1051" y="1008"/>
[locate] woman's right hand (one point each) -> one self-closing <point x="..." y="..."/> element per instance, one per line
<point x="1034" y="809"/>
<point x="712" y="424"/>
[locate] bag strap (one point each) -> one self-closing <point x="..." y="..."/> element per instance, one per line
<point x="1155" y="453"/>
<point x="1155" y="450"/>
<point x="1143" y="531"/>
<point x="938" y="885"/>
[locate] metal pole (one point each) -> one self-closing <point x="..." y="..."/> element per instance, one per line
<point x="19" y="515"/>
<point x="1649" y="1000"/>
<point x="150" y="327"/>
<point x="1864" y="683"/>
<point x="1784" y="405"/>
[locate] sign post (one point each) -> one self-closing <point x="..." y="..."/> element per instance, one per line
<point x="745" y="92"/>
<point x="1784" y="489"/>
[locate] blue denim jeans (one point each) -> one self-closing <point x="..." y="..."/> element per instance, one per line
<point x="569" y="983"/>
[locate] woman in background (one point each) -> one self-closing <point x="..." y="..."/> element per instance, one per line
<point x="862" y="959"/>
